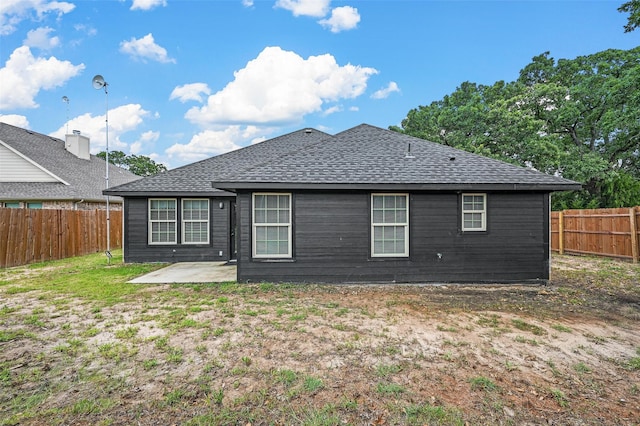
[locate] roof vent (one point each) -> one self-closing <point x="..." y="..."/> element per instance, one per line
<point x="452" y="158"/>
<point x="408" y="154"/>
<point x="76" y="132"/>
<point x="308" y="131"/>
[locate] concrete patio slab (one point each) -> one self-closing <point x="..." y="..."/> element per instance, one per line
<point x="190" y="272"/>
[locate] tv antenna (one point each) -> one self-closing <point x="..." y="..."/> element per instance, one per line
<point x="98" y="83"/>
<point x="66" y="101"/>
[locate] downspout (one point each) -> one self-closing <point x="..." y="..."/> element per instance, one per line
<point x="75" y="204"/>
<point x="124" y="254"/>
<point x="549" y="260"/>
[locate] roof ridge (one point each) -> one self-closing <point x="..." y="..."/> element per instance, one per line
<point x="32" y="132"/>
<point x="370" y="155"/>
<point x="287" y="154"/>
<point x="235" y="151"/>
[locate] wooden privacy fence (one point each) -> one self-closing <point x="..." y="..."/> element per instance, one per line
<point x="33" y="235"/>
<point x="600" y="232"/>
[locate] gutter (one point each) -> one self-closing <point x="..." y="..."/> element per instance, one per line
<point x="510" y="187"/>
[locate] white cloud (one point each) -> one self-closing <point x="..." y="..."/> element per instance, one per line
<point x="281" y="87"/>
<point x="247" y="3"/>
<point x="315" y="8"/>
<point x="342" y="19"/>
<point x="258" y="140"/>
<point x="40" y="39"/>
<point x="208" y="143"/>
<point x="147" y="4"/>
<point x="122" y="119"/>
<point x="155" y="157"/>
<point x="15" y="120"/>
<point x="87" y="29"/>
<point x="27" y="75"/>
<point x="135" y="147"/>
<point x="145" y="48"/>
<point x="83" y="30"/>
<point x="12" y="12"/>
<point x="147" y="138"/>
<point x="332" y="110"/>
<point x="190" y="92"/>
<point x="386" y="91"/>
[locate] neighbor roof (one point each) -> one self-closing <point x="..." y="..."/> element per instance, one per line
<point x="196" y="178"/>
<point x="78" y="179"/>
<point x="368" y="157"/>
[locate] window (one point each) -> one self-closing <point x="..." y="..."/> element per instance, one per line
<point x="162" y="221"/>
<point x="12" y="205"/>
<point x="272" y="225"/>
<point x="34" y="205"/>
<point x="474" y="212"/>
<point x="389" y="225"/>
<point x="195" y="221"/>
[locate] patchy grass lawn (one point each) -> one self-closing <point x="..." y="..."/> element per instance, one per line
<point x="80" y="346"/>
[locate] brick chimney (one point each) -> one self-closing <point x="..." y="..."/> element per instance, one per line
<point x="78" y="145"/>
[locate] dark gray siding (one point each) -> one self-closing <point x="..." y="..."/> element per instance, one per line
<point x="137" y="249"/>
<point x="331" y="241"/>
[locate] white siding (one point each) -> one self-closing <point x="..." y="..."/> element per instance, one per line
<point x="14" y="168"/>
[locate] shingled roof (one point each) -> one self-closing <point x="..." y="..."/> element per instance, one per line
<point x="78" y="179"/>
<point x="196" y="178"/>
<point x="364" y="157"/>
<point x="368" y="157"/>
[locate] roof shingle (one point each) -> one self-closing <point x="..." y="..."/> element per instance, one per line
<point x="86" y="178"/>
<point x="196" y="178"/>
<point x="364" y="157"/>
<point x="367" y="157"/>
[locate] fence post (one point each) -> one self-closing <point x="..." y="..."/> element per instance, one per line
<point x="561" y="232"/>
<point x="633" y="224"/>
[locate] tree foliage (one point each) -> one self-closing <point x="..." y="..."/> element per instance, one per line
<point x="577" y="118"/>
<point x="633" y="9"/>
<point x="137" y="164"/>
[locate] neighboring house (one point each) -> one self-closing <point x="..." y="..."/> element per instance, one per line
<point x="40" y="171"/>
<point x="364" y="205"/>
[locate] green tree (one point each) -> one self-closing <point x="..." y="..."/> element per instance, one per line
<point x="633" y="9"/>
<point x="576" y="118"/>
<point x="137" y="164"/>
<point x="118" y="158"/>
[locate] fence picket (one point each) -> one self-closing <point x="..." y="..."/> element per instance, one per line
<point x="28" y="236"/>
<point x="602" y="232"/>
<point x="33" y="235"/>
<point x="633" y="220"/>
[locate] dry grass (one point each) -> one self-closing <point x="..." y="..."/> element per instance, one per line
<point x="78" y="346"/>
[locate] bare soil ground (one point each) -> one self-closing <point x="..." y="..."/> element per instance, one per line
<point x="564" y="354"/>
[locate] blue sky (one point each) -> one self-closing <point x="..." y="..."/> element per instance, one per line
<point x="188" y="79"/>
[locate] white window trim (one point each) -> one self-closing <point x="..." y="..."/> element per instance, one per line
<point x="150" y="222"/>
<point x="405" y="224"/>
<point x="483" y="212"/>
<point x="183" y="221"/>
<point x="254" y="226"/>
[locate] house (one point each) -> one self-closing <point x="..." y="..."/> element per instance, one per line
<point x="364" y="205"/>
<point x="178" y="216"/>
<point x="40" y="171"/>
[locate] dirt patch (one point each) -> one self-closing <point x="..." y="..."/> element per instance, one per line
<point x="566" y="353"/>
